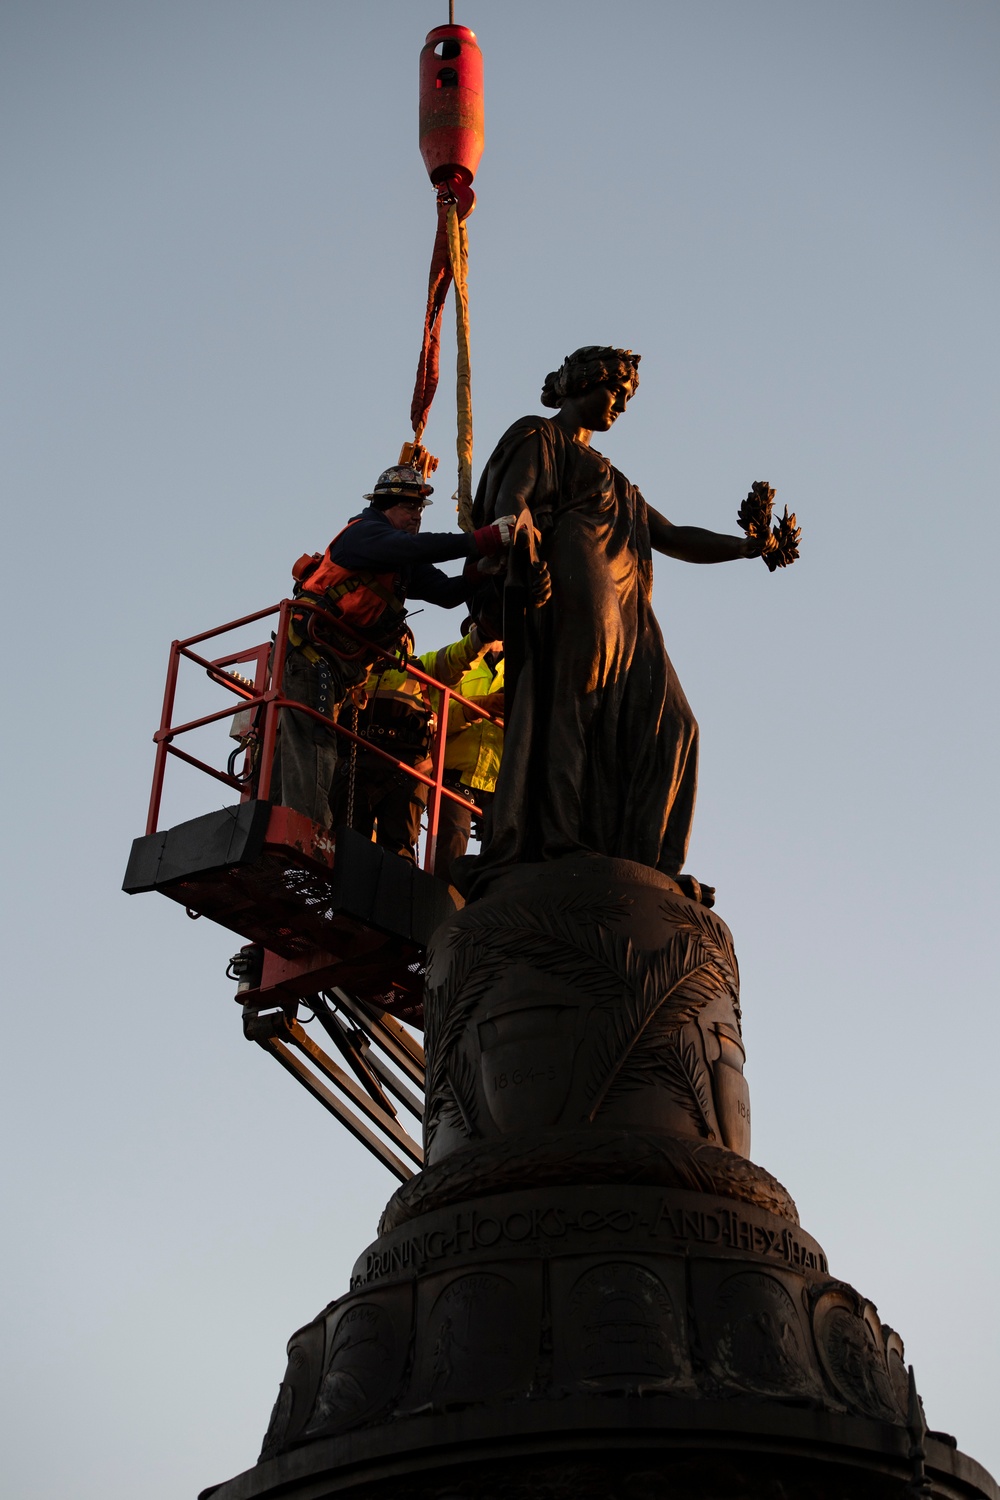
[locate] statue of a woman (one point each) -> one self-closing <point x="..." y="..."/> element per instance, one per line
<point x="601" y="747"/>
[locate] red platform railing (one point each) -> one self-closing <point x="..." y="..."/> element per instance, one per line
<point x="268" y="659"/>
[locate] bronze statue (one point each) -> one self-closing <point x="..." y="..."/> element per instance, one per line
<point x="601" y="750"/>
<point x="590" y="1289"/>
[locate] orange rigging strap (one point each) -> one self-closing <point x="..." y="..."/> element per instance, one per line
<point x="451" y="143"/>
<point x="429" y="363"/>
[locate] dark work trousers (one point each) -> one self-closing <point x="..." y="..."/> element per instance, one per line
<point x="455" y="825"/>
<point x="385" y="799"/>
<point x="305" y="756"/>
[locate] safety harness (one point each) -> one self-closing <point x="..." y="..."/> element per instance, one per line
<point x="366" y="601"/>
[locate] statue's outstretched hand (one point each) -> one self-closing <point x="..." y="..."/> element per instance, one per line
<point x="754" y="515"/>
<point x="785" y="539"/>
<point x="778" y="546"/>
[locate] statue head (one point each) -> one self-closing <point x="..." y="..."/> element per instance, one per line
<point x="584" y="369"/>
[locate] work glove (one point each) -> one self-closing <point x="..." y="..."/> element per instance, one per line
<point x="493" y="539"/>
<point x="481" y="642"/>
<point x="479" y="568"/>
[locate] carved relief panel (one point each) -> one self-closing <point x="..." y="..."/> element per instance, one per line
<point x="619" y="1325"/>
<point x="862" y="1361"/>
<point x="553" y="1002"/>
<point x="478" y="1336"/>
<point x="367" y="1343"/>
<point x="755" y="1336"/>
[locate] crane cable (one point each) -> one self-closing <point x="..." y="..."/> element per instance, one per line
<point x="458" y="252"/>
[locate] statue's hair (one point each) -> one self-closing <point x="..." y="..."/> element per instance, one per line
<point x="594" y="364"/>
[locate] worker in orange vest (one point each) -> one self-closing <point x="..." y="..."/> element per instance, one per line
<point x="364" y="579"/>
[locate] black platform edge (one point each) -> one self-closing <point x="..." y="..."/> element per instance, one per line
<point x="586" y="1428"/>
<point x="368" y="883"/>
<point x="228" y="836"/>
<point x="390" y="894"/>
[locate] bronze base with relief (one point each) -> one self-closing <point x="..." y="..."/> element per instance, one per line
<point x="591" y="1291"/>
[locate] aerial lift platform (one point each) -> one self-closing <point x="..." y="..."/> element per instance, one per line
<point x="335" y="927"/>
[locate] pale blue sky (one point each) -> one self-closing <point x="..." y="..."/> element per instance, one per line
<point x="217" y="228"/>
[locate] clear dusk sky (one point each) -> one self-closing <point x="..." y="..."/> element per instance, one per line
<point x="216" y="230"/>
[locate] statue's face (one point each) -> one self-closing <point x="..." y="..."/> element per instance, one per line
<point x="405" y="515"/>
<point x="600" y="407"/>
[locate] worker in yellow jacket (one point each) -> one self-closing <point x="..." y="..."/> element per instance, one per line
<point x="396" y="713"/>
<point x="472" y="756"/>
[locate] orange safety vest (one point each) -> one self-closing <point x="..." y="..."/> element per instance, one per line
<point x="361" y="597"/>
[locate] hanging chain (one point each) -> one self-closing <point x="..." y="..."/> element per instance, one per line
<point x="352" y="768"/>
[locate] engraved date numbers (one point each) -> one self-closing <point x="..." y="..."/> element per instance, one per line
<point x="517" y="1077"/>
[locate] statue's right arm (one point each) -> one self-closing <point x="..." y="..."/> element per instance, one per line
<point x="521" y="475"/>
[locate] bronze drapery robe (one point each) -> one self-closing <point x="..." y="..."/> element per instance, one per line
<point x="601" y="747"/>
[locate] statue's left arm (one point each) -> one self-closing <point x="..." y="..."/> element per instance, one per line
<point x="694" y="544"/>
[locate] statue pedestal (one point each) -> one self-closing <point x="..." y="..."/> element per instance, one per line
<point x="590" y="1291"/>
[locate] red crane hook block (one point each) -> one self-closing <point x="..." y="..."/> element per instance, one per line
<point x="451" y="111"/>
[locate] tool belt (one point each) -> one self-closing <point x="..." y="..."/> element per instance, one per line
<point x="407" y="742"/>
<point x="453" y="784"/>
<point x="317" y="635"/>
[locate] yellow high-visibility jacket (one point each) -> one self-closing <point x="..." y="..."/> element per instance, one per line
<point x="399" y="694"/>
<point x="474" y="748"/>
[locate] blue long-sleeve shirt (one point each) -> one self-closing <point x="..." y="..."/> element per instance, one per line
<point x="375" y="545"/>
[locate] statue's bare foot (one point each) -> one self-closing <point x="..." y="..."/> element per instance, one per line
<point x="695" y="890"/>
